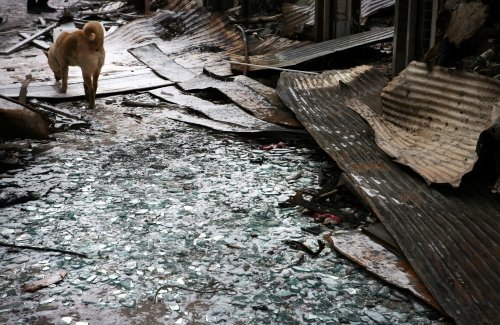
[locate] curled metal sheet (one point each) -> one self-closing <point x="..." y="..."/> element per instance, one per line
<point x="293" y="56"/>
<point x="431" y="121"/>
<point x="449" y="236"/>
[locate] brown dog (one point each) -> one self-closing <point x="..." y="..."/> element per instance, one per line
<point x="84" y="48"/>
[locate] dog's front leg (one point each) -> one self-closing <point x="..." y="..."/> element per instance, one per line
<point x="64" y="75"/>
<point x="89" y="89"/>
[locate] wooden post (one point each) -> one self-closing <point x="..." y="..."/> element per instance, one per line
<point x="319" y="19"/>
<point x="400" y="36"/>
<point x="435" y="8"/>
<point x="328" y="21"/>
<point x="414" y="31"/>
<point x="336" y="18"/>
<point x="355" y="18"/>
<point x="411" y="32"/>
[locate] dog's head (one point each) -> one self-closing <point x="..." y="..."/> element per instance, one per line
<point x="54" y="65"/>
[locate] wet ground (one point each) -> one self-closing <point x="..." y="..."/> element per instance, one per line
<point x="180" y="225"/>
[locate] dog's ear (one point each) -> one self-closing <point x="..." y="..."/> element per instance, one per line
<point x="46" y="53"/>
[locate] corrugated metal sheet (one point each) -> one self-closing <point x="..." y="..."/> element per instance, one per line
<point x="293" y="56"/>
<point x="296" y="16"/>
<point x="158" y="61"/>
<point x="369" y="7"/>
<point x="431" y="122"/>
<point x="449" y="236"/>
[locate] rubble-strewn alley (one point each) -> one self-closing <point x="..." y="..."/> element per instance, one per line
<point x="249" y="162"/>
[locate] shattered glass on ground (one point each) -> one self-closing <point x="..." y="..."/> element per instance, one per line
<point x="181" y="225"/>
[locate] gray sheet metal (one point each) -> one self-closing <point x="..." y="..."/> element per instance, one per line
<point x="187" y="116"/>
<point x="293" y="56"/>
<point x="229" y="114"/>
<point x="261" y="101"/>
<point x="449" y="236"/>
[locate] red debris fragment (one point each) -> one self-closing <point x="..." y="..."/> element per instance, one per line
<point x="267" y="147"/>
<point x="327" y="218"/>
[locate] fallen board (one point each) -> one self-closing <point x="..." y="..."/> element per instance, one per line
<point x="29" y="39"/>
<point x="116" y="83"/>
<point x="383" y="263"/>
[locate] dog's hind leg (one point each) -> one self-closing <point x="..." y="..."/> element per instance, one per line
<point x="95" y="79"/>
<point x="64" y="76"/>
<point x="89" y="90"/>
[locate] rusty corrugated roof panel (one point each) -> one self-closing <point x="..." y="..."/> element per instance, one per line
<point x="449" y="236"/>
<point x="369" y="7"/>
<point x="16" y="120"/>
<point x="431" y="122"/>
<point x="293" y="56"/>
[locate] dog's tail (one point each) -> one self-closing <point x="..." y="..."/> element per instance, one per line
<point x="94" y="31"/>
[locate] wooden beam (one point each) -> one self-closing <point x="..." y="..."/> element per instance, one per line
<point x="31" y="38"/>
<point x="42" y="44"/>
